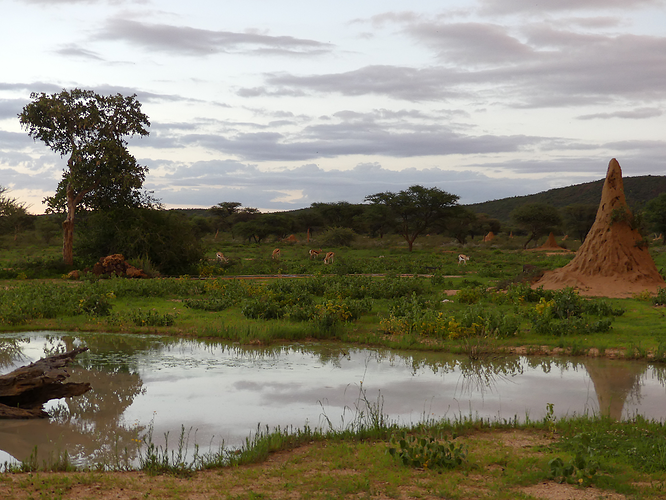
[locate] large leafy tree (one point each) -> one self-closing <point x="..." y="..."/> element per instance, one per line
<point x="92" y="130"/>
<point x="223" y="212"/>
<point x="655" y="214"/>
<point x="537" y="219"/>
<point x="579" y="218"/>
<point x="462" y="223"/>
<point x="416" y="209"/>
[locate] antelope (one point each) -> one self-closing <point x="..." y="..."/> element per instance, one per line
<point x="220" y="256"/>
<point x="276" y="254"/>
<point x="329" y="258"/>
<point x="314" y="253"/>
<point x="462" y="259"/>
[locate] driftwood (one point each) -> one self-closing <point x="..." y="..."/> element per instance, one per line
<point x="24" y="391"/>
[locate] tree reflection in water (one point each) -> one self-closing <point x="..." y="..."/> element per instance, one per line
<point x="90" y="428"/>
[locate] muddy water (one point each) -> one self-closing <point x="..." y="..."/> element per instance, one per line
<point x="220" y="393"/>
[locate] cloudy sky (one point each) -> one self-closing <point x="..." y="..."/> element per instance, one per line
<point x="279" y="104"/>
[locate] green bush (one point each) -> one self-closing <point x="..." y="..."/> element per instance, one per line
<point x="427" y="452"/>
<point x="337" y="237"/>
<point x="151" y="318"/>
<point x="167" y="239"/>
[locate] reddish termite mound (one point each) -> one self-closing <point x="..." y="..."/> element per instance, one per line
<point x="551" y="245"/>
<point x="614" y="260"/>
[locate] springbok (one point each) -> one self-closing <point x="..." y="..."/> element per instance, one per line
<point x="462" y="259"/>
<point x="276" y="254"/>
<point x="314" y="253"/>
<point x="220" y="256"/>
<point x="329" y="258"/>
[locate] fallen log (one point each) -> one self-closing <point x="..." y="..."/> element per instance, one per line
<point x="24" y="391"/>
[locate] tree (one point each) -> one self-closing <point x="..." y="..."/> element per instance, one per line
<point x="537" y="219"/>
<point x="166" y="238"/>
<point x="92" y="130"/>
<point x="14" y="216"/>
<point x="579" y="218"/>
<point x="274" y="224"/>
<point x="416" y="209"/>
<point x="461" y="224"/>
<point x="655" y="214"/>
<point x="223" y="212"/>
<point x="377" y="219"/>
<point x="338" y="214"/>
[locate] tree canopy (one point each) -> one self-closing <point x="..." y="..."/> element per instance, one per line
<point x="92" y="129"/>
<point x="416" y="209"/>
<point x="655" y="214"/>
<point x="14" y="216"/>
<point x="537" y="218"/>
<point x="579" y="218"/>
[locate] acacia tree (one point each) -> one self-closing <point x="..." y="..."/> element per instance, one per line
<point x="416" y="209"/>
<point x="14" y="216"/>
<point x="536" y="218"/>
<point x="579" y="218"/>
<point x="655" y="213"/>
<point x="91" y="129"/>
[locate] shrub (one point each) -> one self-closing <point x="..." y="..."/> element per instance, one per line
<point x="471" y="295"/>
<point x="426" y="452"/>
<point x="338" y="237"/>
<point x="151" y="318"/>
<point x="660" y="299"/>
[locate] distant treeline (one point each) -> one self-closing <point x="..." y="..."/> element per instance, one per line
<point x="638" y="190"/>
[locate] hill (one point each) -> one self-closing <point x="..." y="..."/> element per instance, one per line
<point x="638" y="191"/>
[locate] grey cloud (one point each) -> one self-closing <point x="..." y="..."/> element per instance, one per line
<point x="199" y="42"/>
<point x="635" y="114"/>
<point x="15" y="140"/>
<point x="73" y="50"/>
<point x="10" y="108"/>
<point x="342" y="139"/>
<point x="638" y="145"/>
<point x="263" y="91"/>
<point x="207" y="183"/>
<point x="471" y="43"/>
<point x="529" y="6"/>
<point x="142" y="96"/>
<point x="406" y="83"/>
<point x="571" y="69"/>
<point x="31" y="87"/>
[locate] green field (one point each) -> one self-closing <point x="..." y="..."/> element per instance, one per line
<point x="375" y="293"/>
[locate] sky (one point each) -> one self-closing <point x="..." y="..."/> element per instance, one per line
<point x="278" y="105"/>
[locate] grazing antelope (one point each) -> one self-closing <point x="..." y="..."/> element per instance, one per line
<point x="462" y="259"/>
<point x="329" y="258"/>
<point x="276" y="254"/>
<point x="220" y="256"/>
<point x="314" y="253"/>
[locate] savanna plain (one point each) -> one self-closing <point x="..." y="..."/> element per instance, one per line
<point x="374" y="293"/>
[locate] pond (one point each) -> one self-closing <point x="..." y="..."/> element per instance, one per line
<point x="219" y="393"/>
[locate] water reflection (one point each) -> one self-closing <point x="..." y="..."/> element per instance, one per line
<point x="223" y="391"/>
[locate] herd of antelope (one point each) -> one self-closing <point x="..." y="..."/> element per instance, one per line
<point x="314" y="254"/>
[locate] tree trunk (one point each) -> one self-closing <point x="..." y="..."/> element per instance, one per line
<point x="68" y="228"/>
<point x="24" y="391"/>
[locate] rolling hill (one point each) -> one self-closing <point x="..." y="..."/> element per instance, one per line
<point x="638" y="191"/>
